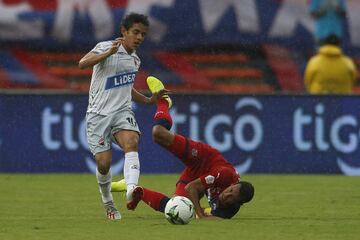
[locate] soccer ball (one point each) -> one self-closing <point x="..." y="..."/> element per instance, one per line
<point x="179" y="210"/>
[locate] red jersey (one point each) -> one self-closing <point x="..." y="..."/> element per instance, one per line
<point x="204" y="162"/>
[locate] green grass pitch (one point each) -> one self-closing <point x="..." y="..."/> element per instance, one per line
<point x="67" y="206"/>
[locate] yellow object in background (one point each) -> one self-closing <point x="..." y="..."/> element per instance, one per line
<point x="330" y="72"/>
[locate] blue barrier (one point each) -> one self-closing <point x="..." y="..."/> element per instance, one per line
<point x="258" y="134"/>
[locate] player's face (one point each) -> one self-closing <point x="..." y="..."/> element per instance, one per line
<point x="134" y="36"/>
<point x="230" y="195"/>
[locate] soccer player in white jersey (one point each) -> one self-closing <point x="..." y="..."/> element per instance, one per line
<point x="109" y="115"/>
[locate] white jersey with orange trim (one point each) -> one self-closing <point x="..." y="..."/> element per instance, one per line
<point x="112" y="80"/>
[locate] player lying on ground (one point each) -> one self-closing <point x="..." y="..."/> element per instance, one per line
<point x="206" y="172"/>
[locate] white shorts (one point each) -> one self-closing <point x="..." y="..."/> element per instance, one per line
<point x="100" y="129"/>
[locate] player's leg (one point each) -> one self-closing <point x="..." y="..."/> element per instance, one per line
<point x="181" y="184"/>
<point x="100" y="145"/>
<point x="104" y="177"/>
<point x="175" y="143"/>
<point x="184" y="149"/>
<point x="103" y="174"/>
<point x="155" y="200"/>
<point x="162" y="136"/>
<point x="162" y="118"/>
<point x="128" y="141"/>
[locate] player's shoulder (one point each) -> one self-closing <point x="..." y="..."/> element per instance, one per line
<point x="226" y="176"/>
<point x="228" y="171"/>
<point x="223" y="175"/>
<point x="104" y="44"/>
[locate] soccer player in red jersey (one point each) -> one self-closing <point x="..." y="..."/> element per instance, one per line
<point x="207" y="172"/>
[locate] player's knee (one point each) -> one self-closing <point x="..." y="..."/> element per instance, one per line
<point x="103" y="161"/>
<point x="159" y="133"/>
<point x="131" y="146"/>
<point x="103" y="165"/>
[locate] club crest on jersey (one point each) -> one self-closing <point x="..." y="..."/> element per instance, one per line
<point x="120" y="80"/>
<point x="102" y="141"/>
<point x="209" y="179"/>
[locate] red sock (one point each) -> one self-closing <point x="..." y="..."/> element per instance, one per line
<point x="162" y="115"/>
<point x="154" y="199"/>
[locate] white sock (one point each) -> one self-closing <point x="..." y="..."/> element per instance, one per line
<point x="131" y="171"/>
<point x="104" y="185"/>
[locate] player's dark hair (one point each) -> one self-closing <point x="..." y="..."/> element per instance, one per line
<point x="246" y="192"/>
<point x="133" y="18"/>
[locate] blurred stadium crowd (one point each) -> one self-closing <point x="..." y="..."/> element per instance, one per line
<point x="232" y="46"/>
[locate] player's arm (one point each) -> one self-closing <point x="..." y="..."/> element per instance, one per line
<point x="141" y="98"/>
<point x="208" y="214"/>
<point x="92" y="58"/>
<point x="194" y="190"/>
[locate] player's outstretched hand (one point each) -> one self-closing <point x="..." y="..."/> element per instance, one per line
<point x="158" y="95"/>
<point x="115" y="45"/>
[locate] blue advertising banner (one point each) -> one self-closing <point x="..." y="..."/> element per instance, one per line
<point x="258" y="134"/>
<point x="174" y="23"/>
